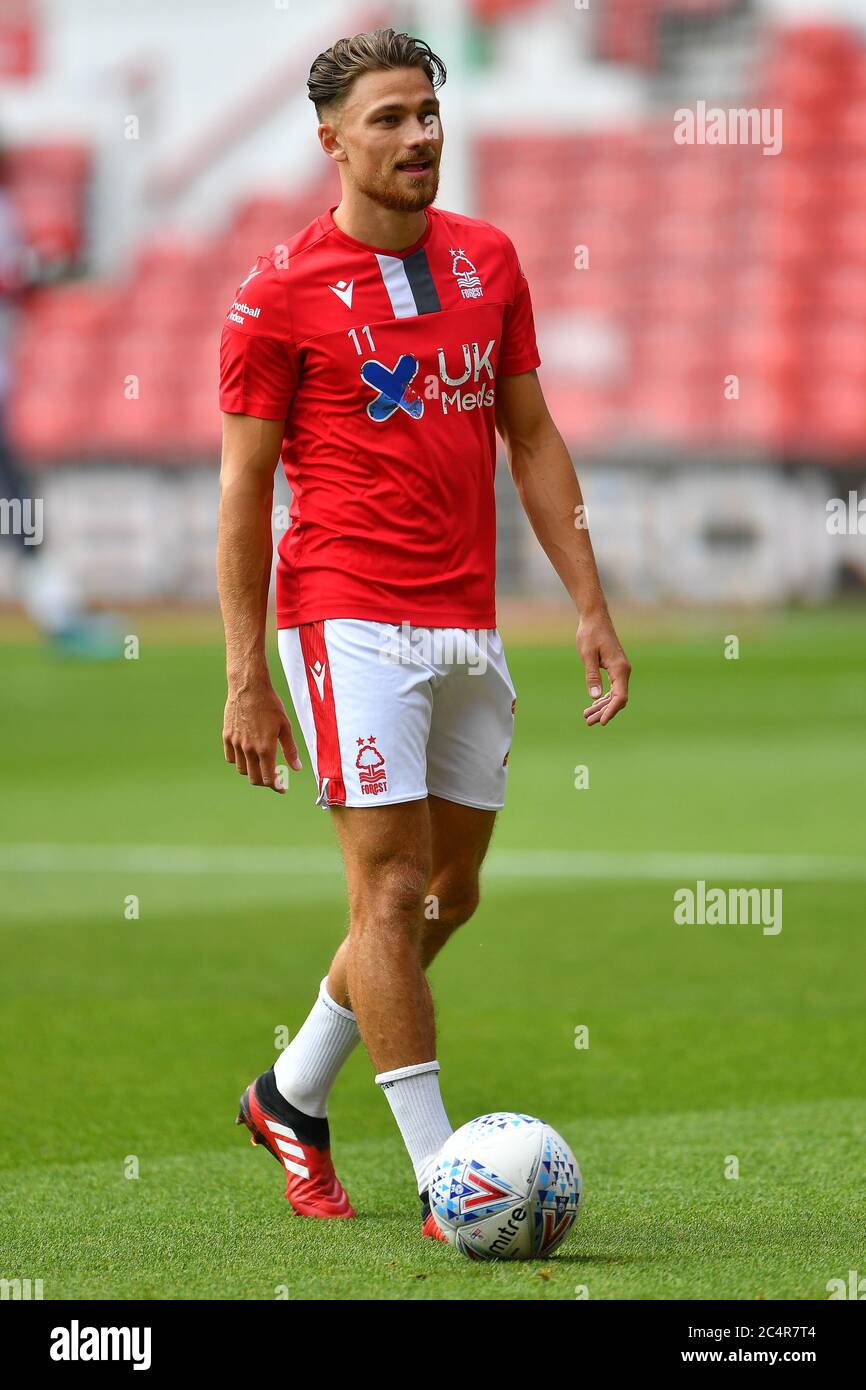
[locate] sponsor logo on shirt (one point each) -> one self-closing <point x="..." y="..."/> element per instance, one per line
<point x="371" y="767"/>
<point x="467" y="276"/>
<point x="479" y="362"/>
<point x="478" y="367"/>
<point x="239" y="309"/>
<point x="392" y="388"/>
<point x="394" y="391"/>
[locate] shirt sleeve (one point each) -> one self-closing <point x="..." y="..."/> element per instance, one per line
<point x="519" y="352"/>
<point x="258" y="359"/>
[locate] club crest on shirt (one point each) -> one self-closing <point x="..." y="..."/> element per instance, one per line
<point x="467" y="276"/>
<point x="371" y="767"/>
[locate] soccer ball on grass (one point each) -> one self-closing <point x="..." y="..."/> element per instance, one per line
<point x="505" y="1187"/>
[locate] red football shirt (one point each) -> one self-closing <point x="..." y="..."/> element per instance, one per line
<point x="383" y="366"/>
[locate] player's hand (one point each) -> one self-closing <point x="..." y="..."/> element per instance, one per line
<point x="599" y="649"/>
<point x="255" y="721"/>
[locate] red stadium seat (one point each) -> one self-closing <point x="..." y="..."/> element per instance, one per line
<point x="703" y="261"/>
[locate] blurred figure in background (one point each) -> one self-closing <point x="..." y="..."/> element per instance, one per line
<point x="45" y="587"/>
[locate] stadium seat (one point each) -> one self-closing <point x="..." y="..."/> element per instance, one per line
<point x="704" y="261"/>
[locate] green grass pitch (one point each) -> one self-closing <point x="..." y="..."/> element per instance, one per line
<point x="131" y="1039"/>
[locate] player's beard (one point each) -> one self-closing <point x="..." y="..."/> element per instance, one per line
<point x="391" y="190"/>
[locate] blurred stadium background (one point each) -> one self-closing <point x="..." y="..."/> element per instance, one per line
<point x="152" y="153"/>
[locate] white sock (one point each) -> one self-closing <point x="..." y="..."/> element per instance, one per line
<point x="306" y="1070"/>
<point x="413" y="1095"/>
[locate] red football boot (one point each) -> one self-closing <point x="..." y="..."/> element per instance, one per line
<point x="428" y="1220"/>
<point x="301" y="1145"/>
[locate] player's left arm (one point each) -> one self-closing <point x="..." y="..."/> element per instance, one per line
<point x="550" y="495"/>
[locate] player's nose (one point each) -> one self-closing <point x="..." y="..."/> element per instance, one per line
<point x="426" y="136"/>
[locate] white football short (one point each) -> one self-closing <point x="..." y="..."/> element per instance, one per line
<point x="391" y="712"/>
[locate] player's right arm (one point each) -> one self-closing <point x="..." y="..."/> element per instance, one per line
<point x="255" y="719"/>
<point x="258" y="377"/>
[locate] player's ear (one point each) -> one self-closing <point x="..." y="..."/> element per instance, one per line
<point x="331" y="142"/>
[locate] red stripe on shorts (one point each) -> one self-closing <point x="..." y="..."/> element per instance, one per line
<point x="328" y="761"/>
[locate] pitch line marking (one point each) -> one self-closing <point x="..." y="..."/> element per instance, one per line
<point x="542" y="865"/>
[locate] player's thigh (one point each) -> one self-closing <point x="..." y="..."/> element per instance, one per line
<point x="459" y="836"/>
<point x="387" y="854"/>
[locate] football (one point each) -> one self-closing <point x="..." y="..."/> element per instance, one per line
<point x="505" y="1187"/>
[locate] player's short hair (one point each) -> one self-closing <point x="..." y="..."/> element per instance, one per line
<point x="334" y="71"/>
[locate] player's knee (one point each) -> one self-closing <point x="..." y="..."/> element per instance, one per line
<point x="453" y="902"/>
<point x="391" y="894"/>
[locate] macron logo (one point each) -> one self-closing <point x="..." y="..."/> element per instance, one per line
<point x="319" y="670"/>
<point x="344" y="291"/>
